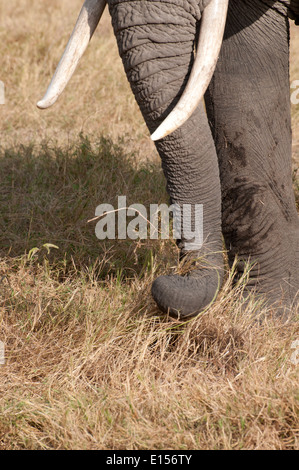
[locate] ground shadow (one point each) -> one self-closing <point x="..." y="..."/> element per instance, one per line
<point x="48" y="194"/>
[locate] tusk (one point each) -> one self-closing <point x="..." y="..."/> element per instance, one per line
<point x="209" y="45"/>
<point x="87" y="22"/>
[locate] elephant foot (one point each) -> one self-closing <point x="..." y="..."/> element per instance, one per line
<point x="279" y="303"/>
<point x="183" y="296"/>
<point x="277" y="283"/>
<point x="270" y="306"/>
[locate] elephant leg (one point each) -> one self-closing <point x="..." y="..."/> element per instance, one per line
<point x="248" y="105"/>
<point x="156" y="41"/>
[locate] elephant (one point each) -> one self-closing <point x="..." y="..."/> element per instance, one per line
<point x="211" y="78"/>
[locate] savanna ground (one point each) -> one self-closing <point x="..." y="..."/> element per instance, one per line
<point x="90" y="364"/>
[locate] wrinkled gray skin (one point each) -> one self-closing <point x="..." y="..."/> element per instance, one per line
<point x="236" y="159"/>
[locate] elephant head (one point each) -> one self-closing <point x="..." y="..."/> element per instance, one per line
<point x="209" y="44"/>
<point x="232" y="156"/>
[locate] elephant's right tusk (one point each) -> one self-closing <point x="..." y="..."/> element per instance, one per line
<point x="87" y="22"/>
<point x="209" y="45"/>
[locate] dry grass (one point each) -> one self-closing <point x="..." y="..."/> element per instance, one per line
<point x="92" y="367"/>
<point x="33" y="35"/>
<point x="89" y="362"/>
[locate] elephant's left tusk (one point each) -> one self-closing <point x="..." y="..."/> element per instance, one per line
<point x="87" y="22"/>
<point x="209" y="45"/>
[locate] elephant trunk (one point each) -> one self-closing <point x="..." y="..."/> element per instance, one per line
<point x="156" y="43"/>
